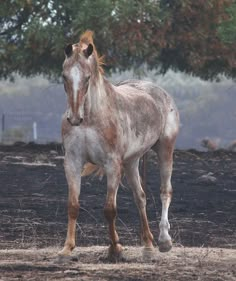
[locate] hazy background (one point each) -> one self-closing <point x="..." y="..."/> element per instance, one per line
<point x="186" y="36"/>
<point x="207" y="109"/>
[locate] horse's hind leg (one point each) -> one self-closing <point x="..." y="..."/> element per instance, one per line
<point x="132" y="175"/>
<point x="164" y="149"/>
<point x="73" y="172"/>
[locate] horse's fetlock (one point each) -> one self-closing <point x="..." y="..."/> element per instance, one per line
<point x="148" y="238"/>
<point x="164" y="225"/>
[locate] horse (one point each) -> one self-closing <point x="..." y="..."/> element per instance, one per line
<point x="107" y="129"/>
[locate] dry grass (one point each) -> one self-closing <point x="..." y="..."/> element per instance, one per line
<point x="90" y="263"/>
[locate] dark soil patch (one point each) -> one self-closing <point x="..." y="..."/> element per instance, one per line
<point x="33" y="200"/>
<point x="33" y="214"/>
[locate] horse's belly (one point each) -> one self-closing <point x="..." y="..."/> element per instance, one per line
<point x="137" y="145"/>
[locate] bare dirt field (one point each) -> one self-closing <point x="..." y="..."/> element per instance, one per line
<point x="33" y="218"/>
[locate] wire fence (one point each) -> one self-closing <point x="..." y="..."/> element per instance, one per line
<point x="30" y="127"/>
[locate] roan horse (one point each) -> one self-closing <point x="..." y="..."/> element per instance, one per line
<point x="110" y="128"/>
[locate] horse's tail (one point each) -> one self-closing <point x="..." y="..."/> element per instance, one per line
<point x="144" y="173"/>
<point x="90" y="168"/>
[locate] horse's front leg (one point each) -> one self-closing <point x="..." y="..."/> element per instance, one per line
<point x="73" y="176"/>
<point x="110" y="210"/>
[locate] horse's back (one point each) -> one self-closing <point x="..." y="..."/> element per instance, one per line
<point x="163" y="101"/>
<point x="159" y="95"/>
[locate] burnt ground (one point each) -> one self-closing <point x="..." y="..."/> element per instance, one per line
<point x="33" y="218"/>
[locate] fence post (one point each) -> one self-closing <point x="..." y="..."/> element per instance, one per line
<point x="3" y="126"/>
<point x="35" y="133"/>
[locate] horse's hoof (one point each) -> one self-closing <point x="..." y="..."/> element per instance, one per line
<point x="115" y="253"/>
<point x="65" y="252"/>
<point x="148" y="253"/>
<point x="165" y="246"/>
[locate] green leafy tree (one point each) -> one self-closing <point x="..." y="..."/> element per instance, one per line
<point x="193" y="42"/>
<point x="227" y="29"/>
<point x="188" y="35"/>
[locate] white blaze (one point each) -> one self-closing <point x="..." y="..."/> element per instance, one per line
<point x="75" y="75"/>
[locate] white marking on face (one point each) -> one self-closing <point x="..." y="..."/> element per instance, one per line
<point x="81" y="108"/>
<point x="75" y="75"/>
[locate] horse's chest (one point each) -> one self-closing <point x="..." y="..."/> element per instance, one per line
<point x="93" y="146"/>
<point x="85" y="143"/>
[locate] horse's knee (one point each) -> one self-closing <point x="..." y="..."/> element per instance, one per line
<point x="110" y="212"/>
<point x="140" y="199"/>
<point x="73" y="209"/>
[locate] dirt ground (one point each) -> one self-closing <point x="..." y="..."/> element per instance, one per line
<point x="33" y="218"/>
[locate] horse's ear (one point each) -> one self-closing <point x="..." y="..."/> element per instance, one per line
<point x="88" y="52"/>
<point x="68" y="50"/>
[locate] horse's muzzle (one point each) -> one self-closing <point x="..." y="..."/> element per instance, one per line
<point x="75" y="121"/>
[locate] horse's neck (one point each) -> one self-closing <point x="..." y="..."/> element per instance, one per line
<point x="97" y="98"/>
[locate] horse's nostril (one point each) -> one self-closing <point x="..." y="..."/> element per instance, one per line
<point x="68" y="119"/>
<point x="74" y="121"/>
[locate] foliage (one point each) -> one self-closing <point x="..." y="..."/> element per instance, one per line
<point x="187" y="35"/>
<point x="227" y="30"/>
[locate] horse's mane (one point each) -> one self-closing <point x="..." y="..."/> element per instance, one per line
<point x="87" y="38"/>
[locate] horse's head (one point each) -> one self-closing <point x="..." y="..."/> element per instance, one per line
<point x="81" y="62"/>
